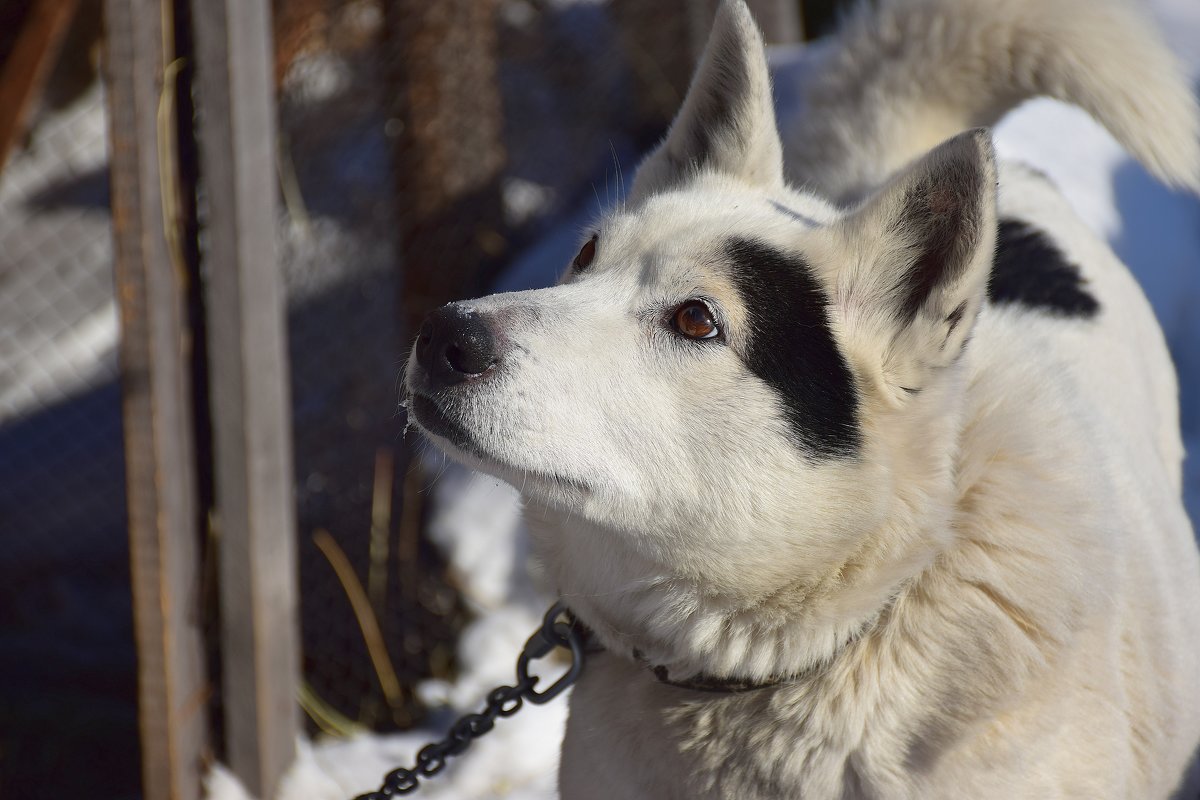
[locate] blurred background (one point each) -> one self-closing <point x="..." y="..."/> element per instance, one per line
<point x="423" y="152"/>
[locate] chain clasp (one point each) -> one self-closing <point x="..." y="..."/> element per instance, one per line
<point x="553" y="633"/>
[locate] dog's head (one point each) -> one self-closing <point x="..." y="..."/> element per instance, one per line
<point x="734" y="390"/>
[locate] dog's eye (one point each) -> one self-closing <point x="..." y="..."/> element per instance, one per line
<point x="694" y="320"/>
<point x="586" y="254"/>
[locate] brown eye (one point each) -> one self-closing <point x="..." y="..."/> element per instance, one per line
<point x="586" y="254"/>
<point x="695" y="321"/>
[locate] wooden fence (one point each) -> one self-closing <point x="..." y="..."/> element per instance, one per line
<point x="236" y="286"/>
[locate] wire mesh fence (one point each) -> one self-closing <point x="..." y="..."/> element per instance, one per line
<point x="66" y="646"/>
<point x="424" y="149"/>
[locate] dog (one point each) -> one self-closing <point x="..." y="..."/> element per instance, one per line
<point x="858" y="454"/>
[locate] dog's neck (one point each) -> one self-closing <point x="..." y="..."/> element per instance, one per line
<point x="689" y="634"/>
<point x="645" y="611"/>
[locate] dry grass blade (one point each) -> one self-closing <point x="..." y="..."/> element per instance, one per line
<point x="368" y="623"/>
<point x="327" y="718"/>
<point x="381" y="519"/>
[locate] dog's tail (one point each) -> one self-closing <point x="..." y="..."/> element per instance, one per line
<point x="900" y="76"/>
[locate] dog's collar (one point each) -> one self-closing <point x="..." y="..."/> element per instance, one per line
<point x="708" y="683"/>
<point x="696" y="683"/>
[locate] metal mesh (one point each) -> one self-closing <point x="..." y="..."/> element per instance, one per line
<point x="339" y="253"/>
<point x="395" y="203"/>
<point x="66" y="642"/>
<point x="424" y="147"/>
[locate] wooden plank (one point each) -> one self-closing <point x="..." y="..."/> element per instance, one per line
<point x="248" y="380"/>
<point x="27" y="67"/>
<point x="157" y="410"/>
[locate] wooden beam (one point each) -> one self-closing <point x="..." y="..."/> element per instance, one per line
<point x="248" y="379"/>
<point x="155" y="353"/>
<point x="24" y="72"/>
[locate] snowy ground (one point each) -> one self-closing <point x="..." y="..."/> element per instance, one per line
<point x="1155" y="231"/>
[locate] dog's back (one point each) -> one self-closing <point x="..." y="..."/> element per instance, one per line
<point x="1068" y="349"/>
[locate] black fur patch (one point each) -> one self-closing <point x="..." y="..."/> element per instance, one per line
<point x="792" y="348"/>
<point x="1029" y="270"/>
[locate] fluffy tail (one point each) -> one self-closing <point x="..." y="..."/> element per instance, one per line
<point x="901" y="76"/>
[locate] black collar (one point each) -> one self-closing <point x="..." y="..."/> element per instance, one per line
<point x="696" y="683"/>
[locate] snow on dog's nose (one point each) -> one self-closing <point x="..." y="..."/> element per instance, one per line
<point x="455" y="345"/>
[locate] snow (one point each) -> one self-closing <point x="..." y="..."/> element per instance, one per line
<point x="477" y="524"/>
<point x="60" y="322"/>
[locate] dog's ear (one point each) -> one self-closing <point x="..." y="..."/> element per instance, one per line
<point x="727" y="122"/>
<point x="920" y="252"/>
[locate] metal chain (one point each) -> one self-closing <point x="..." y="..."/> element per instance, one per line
<point x="503" y="701"/>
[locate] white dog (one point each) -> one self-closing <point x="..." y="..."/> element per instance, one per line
<point x="864" y="474"/>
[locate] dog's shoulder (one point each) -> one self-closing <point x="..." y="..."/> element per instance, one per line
<point x="1037" y="267"/>
<point x="1068" y="325"/>
<point x="1050" y="263"/>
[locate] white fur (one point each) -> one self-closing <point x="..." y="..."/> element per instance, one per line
<point x="903" y="75"/>
<point x="1000" y="595"/>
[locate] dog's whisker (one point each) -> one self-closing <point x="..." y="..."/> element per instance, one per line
<point x="620" y="178"/>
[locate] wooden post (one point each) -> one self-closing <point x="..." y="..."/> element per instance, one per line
<point x="155" y="353"/>
<point x="24" y="72"/>
<point x="448" y="148"/>
<point x="248" y="379"/>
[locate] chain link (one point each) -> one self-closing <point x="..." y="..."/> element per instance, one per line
<point x="503" y="701"/>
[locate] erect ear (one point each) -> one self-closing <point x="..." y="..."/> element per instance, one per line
<point x="727" y="122"/>
<point x="922" y="249"/>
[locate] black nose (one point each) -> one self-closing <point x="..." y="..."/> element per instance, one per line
<point x="454" y="344"/>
